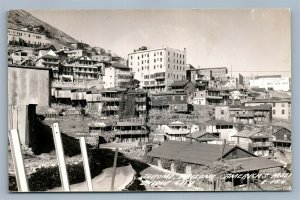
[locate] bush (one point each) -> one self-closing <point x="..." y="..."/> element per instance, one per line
<point x="47" y="178"/>
<point x="180" y="166"/>
<point x="166" y="164"/>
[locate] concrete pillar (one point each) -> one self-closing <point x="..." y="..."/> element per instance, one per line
<point x="173" y="169"/>
<point x="188" y="169"/>
<point x="159" y="163"/>
<point x="18" y="119"/>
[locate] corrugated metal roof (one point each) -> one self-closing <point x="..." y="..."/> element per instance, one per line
<point x="251" y="134"/>
<point x="129" y="124"/>
<point x="197" y="153"/>
<point x="179" y="83"/>
<point x="218" y="122"/>
<point x="254" y="163"/>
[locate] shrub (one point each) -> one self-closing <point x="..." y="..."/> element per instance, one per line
<point x="166" y="164"/>
<point x="180" y="166"/>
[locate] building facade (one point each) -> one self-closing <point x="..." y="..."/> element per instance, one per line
<point x="281" y="108"/>
<point x="50" y="61"/>
<point x="84" y="68"/>
<point x="271" y="83"/>
<point x="156" y="69"/>
<point x="116" y="75"/>
<point x="27" y="36"/>
<point x="174" y="102"/>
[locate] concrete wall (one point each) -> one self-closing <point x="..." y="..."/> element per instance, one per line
<point x="28" y="86"/>
<point x="222" y="112"/>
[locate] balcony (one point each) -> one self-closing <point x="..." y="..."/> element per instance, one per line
<point x="214" y="97"/>
<point x="262" y="144"/>
<point x="161" y="83"/>
<point x="159" y="75"/>
<point x="112" y="108"/>
<point x="111" y="99"/>
<point x="141" y="108"/>
<point x="260" y="114"/>
<point x="140" y="99"/>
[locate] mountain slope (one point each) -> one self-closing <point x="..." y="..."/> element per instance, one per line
<point x="21" y="19"/>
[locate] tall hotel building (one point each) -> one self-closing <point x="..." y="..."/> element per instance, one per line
<point x="157" y="69"/>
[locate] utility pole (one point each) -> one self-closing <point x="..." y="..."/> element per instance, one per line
<point x="114" y="170"/>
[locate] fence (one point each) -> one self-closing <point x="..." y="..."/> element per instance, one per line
<point x="19" y="168"/>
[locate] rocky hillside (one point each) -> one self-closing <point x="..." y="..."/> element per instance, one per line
<point x="22" y="19"/>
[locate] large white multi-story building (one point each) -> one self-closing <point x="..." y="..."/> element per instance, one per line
<point x="276" y="83"/>
<point x="157" y="69"/>
<point x="116" y="75"/>
<point x="29" y="37"/>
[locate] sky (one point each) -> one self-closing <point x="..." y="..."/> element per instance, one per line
<point x="246" y="41"/>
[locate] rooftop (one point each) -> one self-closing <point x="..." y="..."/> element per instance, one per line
<point x="166" y="93"/>
<point x="270" y="100"/>
<point x="218" y="122"/>
<point x="197" y="153"/>
<point x="179" y="83"/>
<point x="254" y="163"/>
<point x="119" y="66"/>
<point x="251" y="133"/>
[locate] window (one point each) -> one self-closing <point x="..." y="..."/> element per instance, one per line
<point x="282" y="112"/>
<point x="161" y="53"/>
<point x="168" y="65"/>
<point x="138" y="57"/>
<point x="283" y="104"/>
<point x="222" y="112"/>
<point x="274" y="112"/>
<point x="154" y="60"/>
<point x="181" y="97"/>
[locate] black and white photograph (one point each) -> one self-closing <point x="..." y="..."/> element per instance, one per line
<point x="147" y="100"/>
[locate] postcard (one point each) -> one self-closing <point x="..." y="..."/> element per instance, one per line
<point x="149" y="100"/>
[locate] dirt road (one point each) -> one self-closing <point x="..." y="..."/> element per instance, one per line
<point x="102" y="182"/>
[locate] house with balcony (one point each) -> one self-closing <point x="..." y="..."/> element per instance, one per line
<point x="239" y="96"/>
<point x="117" y="75"/>
<point x="136" y="103"/>
<point x="61" y="95"/>
<point x="244" y="114"/>
<point x="120" y="132"/>
<point x="183" y="86"/>
<point x="78" y="97"/>
<point x="174" y="102"/>
<point x="50" y="61"/>
<point x="84" y="68"/>
<point x="112" y="101"/>
<point x="281" y="107"/>
<point x="210" y="97"/>
<point x="256" y="141"/>
<point x="224" y="130"/>
<point x="93" y="100"/>
<point x="250" y="114"/>
<point x="177" y="131"/>
<point x="282" y="138"/>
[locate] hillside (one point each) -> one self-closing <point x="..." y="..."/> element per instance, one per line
<point x="21" y="19"/>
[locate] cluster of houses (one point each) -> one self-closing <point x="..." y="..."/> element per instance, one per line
<point x="158" y="79"/>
